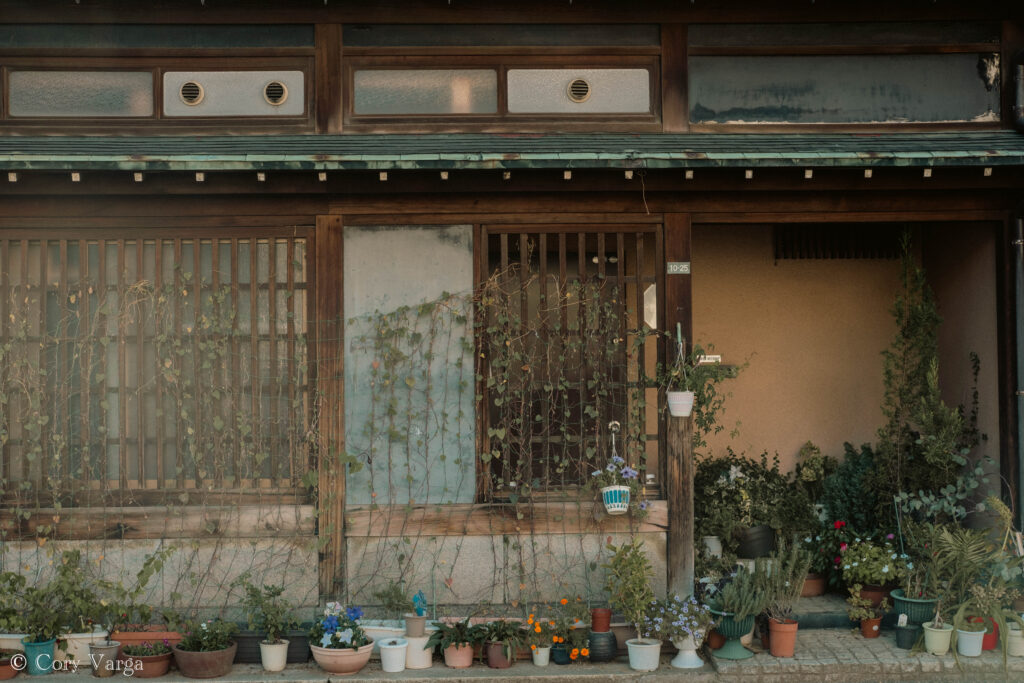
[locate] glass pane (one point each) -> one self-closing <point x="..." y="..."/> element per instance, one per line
<point x="391" y="35"/>
<point x="234" y="93"/>
<point x="846" y="89"/>
<point x="426" y="91"/>
<point x="81" y="93"/>
<point x="894" y="33"/>
<point x="606" y="91"/>
<point x="155" y="35"/>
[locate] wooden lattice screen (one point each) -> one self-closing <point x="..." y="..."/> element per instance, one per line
<point x="154" y="365"/>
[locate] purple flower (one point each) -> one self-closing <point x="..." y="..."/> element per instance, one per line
<point x="353" y="613"/>
<point x="890" y="536"/>
<point x="644" y="505"/>
<point x="629" y="473"/>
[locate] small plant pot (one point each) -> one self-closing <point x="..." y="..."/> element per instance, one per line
<point x="496" y="658"/>
<point x="733" y="630"/>
<point x="616" y="499"/>
<point x="1014" y="639"/>
<point x="39" y="657"/>
<point x="274" y="656"/>
<point x="458" y="656"/>
<point x="205" y="664"/>
<point x="782" y="642"/>
<point x="918" y="610"/>
<point x="415" y="625"/>
<point x="687" y="657"/>
<point x="416" y="657"/>
<point x="936" y="640"/>
<point x="559" y="655"/>
<point x="871" y="628"/>
<point x="680" y="403"/>
<point x="874" y="593"/>
<point x="907" y="635"/>
<point x="392" y="655"/>
<point x="968" y="643"/>
<point x="103" y="658"/>
<point x="7" y="671"/>
<point x="601" y="619"/>
<point x="341" y="660"/>
<point x="603" y="646"/>
<point x="153" y="666"/>
<point x="78" y="644"/>
<point x="713" y="544"/>
<point x="541" y="655"/>
<point x="814" y="585"/>
<point x="715" y="639"/>
<point x="644" y="654"/>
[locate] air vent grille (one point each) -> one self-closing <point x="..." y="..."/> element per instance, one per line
<point x="579" y="90"/>
<point x="837" y="241"/>
<point x="191" y="93"/>
<point x="275" y="93"/>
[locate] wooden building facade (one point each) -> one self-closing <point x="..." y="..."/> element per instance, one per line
<point x="213" y="215"/>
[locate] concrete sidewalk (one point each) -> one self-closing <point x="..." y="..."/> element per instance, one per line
<point x="821" y="655"/>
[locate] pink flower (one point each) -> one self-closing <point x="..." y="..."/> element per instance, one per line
<point x="843" y="546"/>
<point x="838" y="525"/>
<point x="890" y="536"/>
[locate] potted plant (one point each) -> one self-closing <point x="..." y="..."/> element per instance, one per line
<point x="540" y="637"/>
<point x="686" y="622"/>
<point x="937" y="633"/>
<point x="691" y="382"/>
<point x="79" y="604"/>
<point x="103" y="654"/>
<point x="456" y="641"/>
<point x="7" y="670"/>
<point x="872" y="565"/>
<point x="618" y="482"/>
<point x="416" y="619"/>
<point x="269" y="614"/>
<point x="826" y="547"/>
<point x="207" y="648"/>
<point x="338" y="641"/>
<point x="569" y="631"/>
<point x="44" y="620"/>
<point x="149" y="659"/>
<point x="785" y="585"/>
<point x="736" y="604"/>
<point x="501" y="638"/>
<point x="864" y="610"/>
<point x="628" y="584"/>
<point x="980" y="615"/>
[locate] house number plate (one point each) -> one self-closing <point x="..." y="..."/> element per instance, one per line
<point x="678" y="267"/>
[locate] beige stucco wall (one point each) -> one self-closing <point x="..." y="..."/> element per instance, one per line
<point x="812" y="330"/>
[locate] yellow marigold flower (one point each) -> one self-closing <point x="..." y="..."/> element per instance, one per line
<point x="530" y="620"/>
<point x="533" y="647"/>
<point x="576" y="651"/>
<point x="554" y="639"/>
<point x="585" y="652"/>
<point x="573" y="655"/>
<point x="537" y="628"/>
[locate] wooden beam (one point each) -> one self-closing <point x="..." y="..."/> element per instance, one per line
<point x="330" y="382"/>
<point x="563" y="517"/>
<point x="327" y="100"/>
<point x="679" y="541"/>
<point x="1006" y="334"/>
<point x="227" y="522"/>
<point x="675" y="117"/>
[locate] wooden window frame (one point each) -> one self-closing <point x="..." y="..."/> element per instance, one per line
<point x="501" y="61"/>
<point x="158" y="122"/>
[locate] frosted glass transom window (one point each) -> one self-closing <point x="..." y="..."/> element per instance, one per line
<point x="426" y="91"/>
<point x="548" y="91"/>
<point x="235" y="93"/>
<point x="81" y="94"/>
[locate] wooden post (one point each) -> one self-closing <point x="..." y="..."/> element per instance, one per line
<point x="679" y="442"/>
<point x="680" y="506"/>
<point x="330" y="369"/>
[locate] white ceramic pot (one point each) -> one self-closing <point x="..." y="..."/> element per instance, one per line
<point x="936" y="640"/>
<point x="687" y="657"/>
<point x="968" y="643"/>
<point x="680" y="403"/>
<point x="12" y="641"/>
<point x="1014" y="639"/>
<point x="382" y="629"/>
<point x="78" y="645"/>
<point x="644" y="654"/>
<point x="541" y="656"/>
<point x="616" y="499"/>
<point x="392" y="654"/>
<point x="714" y="545"/>
<point x="415" y="656"/>
<point x="274" y="656"/>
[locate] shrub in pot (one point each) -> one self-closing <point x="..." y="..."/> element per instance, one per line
<point x="12" y="599"/>
<point x="628" y="584"/>
<point x="338" y="642"/>
<point x="685" y="622"/>
<point x="501" y="639"/>
<point x="207" y="648"/>
<point x="736" y="605"/>
<point x="269" y="614"/>
<point x="863" y="610"/>
<point x="44" y="620"/>
<point x="397" y="605"/>
<point x="567" y="618"/>
<point x="872" y="565"/>
<point x="456" y="641"/>
<point x="789" y="563"/>
<point x="147" y="659"/>
<point x="539" y="636"/>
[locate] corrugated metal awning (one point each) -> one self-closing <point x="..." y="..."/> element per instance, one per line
<point x="511" y="151"/>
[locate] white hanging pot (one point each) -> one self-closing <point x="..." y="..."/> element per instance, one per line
<point x="616" y="499"/>
<point x="680" y="403"/>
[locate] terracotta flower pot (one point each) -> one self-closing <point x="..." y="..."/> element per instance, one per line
<point x="873" y="593"/>
<point x="871" y="628"/>
<point x="601" y="619"/>
<point x="205" y="664"/>
<point x="459" y="656"/>
<point x="715" y="639"/>
<point x="146" y="636"/>
<point x="147" y="667"/>
<point x="496" y="658"/>
<point x="814" y="585"/>
<point x="342" y="660"/>
<point x="783" y="637"/>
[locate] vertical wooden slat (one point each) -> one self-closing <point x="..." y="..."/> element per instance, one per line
<point x="481" y="271"/>
<point x="328" y="255"/>
<point x="122" y="372"/>
<point x="600" y="256"/>
<point x="675" y="117"/>
<point x="255" y="381"/>
<point x="85" y="332"/>
<point x="218" y="371"/>
<point x="140" y="367"/>
<point x="293" y="414"/>
<point x="639" y="303"/>
<point x="545" y="331"/>
<point x="328" y="105"/>
<point x="158" y="286"/>
<point x="5" y="312"/>
<point x="48" y="399"/>
<point x="199" y="457"/>
<point x="101" y="364"/>
<point x="62" y="374"/>
<point x="563" y="279"/>
<point x="179" y="431"/>
<point x="275" y="386"/>
<point x="581" y="316"/>
<point x="524" y="271"/>
<point x="25" y="470"/>
<point x="236" y="363"/>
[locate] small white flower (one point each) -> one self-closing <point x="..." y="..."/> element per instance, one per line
<point x="885" y="569"/>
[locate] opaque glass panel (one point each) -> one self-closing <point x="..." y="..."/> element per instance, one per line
<point x="234" y="93"/>
<point x="155" y="35"/>
<point x="612" y="91"/>
<point x="426" y="91"/>
<point x="81" y="94"/>
<point x="844" y="89"/>
<point x="890" y="33"/>
<point x="392" y="35"/>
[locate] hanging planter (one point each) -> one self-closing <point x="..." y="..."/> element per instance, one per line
<point x="616" y="499"/>
<point x="680" y="403"/>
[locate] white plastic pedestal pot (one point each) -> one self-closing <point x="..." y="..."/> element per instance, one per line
<point x="392" y="654"/>
<point x="687" y="657"/>
<point x="415" y="656"/>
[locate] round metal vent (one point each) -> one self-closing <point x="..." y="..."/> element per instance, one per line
<point x="191" y="93"/>
<point x="578" y="90"/>
<point x="275" y="93"/>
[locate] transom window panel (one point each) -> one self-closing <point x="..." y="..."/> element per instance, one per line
<point x="425" y="91"/>
<point x="80" y="94"/>
<point x="508" y="35"/>
<point x="579" y="91"/>
<point x="234" y="93"/>
<point x="130" y="36"/>
<point x="171" y="363"/>
<point x="920" y="34"/>
<point x="564" y="354"/>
